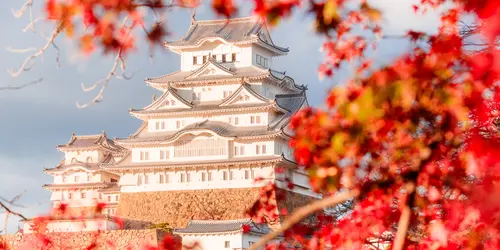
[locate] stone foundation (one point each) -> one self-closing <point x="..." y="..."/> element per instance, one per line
<point x="115" y="239"/>
<point x="178" y="207"/>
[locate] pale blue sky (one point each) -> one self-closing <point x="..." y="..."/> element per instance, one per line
<point x="35" y="119"/>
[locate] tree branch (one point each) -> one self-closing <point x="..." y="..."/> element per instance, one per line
<point x="28" y="62"/>
<point x="404" y="221"/>
<point x="303" y="212"/>
<point x="21" y="86"/>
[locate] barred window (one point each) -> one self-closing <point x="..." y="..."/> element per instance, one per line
<point x="200" y="147"/>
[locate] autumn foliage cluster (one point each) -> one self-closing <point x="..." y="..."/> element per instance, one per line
<point x="415" y="142"/>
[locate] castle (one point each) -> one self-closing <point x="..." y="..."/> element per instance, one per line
<point x="221" y="121"/>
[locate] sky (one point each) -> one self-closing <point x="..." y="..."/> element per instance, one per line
<point x="35" y="119"/>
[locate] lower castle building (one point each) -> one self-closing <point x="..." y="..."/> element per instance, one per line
<point x="220" y="123"/>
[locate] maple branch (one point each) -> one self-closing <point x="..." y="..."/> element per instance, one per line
<point x="9" y="211"/>
<point x="29" y="62"/>
<point x="303" y="212"/>
<point x="21" y="86"/>
<point x="118" y="61"/>
<point x="404" y="222"/>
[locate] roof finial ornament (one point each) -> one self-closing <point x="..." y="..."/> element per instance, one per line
<point x="193" y="17"/>
<point x="154" y="97"/>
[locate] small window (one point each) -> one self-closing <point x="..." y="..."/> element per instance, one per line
<point x="144" y="156"/>
<point x="117" y="198"/>
<point x="167" y="103"/>
<point x="164" y="154"/>
<point x="178" y="124"/>
<point x="209" y="176"/>
<point x="89" y="177"/>
<point x="65" y="179"/>
<point x="224" y="175"/>
<point x="162" y="125"/>
<point x="183" y="177"/>
<point x="247" y="174"/>
<point x="252" y="174"/>
<point x="227" y="244"/>
<point x="83" y="195"/>
<point x="236" y="151"/>
<point x="113" y="180"/>
<point x="224" y="58"/>
<point x="231" y="177"/>
<point x="236" y="121"/>
<point x="233" y="57"/>
<point x="247" y="98"/>
<point x="109" y="198"/>
<point x="205" y="58"/>
<point x="77" y="178"/>
<point x="157" y="126"/>
<point x="264" y="149"/>
<point x="195" y="60"/>
<point x="230" y="120"/>
<point x="139" y="179"/>
<point x="257" y="149"/>
<point x="257" y="119"/>
<point x="162" y="179"/>
<point x="203" y="177"/>
<point x="188" y="177"/>
<point x="252" y="119"/>
<point x="146" y="179"/>
<point x="70" y="196"/>
<point x="172" y="103"/>
<point x="242" y="150"/>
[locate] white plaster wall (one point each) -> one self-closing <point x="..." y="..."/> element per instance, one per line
<point x="209" y="93"/>
<point x="78" y="175"/>
<point x="243" y="120"/>
<point x="249" y="149"/>
<point x="216" y="47"/>
<point x="214" y="242"/>
<point x="75" y="226"/>
<point x="95" y="156"/>
<point x="249" y="239"/>
<point x="262" y="52"/>
<point x="129" y="181"/>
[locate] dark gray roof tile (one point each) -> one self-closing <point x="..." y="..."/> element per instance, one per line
<point x="221" y="226"/>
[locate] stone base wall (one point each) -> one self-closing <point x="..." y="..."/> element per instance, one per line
<point x="178" y="207"/>
<point x="115" y="239"/>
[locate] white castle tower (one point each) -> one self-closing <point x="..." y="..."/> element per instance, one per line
<point x="221" y="121"/>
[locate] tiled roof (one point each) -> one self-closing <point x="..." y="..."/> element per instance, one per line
<point x="236" y="31"/>
<point x="89" y="141"/>
<point x="181" y="76"/>
<point x="111" y="189"/>
<point x="127" y="163"/>
<point x="284" y="102"/>
<point x="204" y="108"/>
<point x="220" y="128"/>
<point x="291" y="102"/>
<point x="86" y="165"/>
<point x="220" y="226"/>
<point x="79" y="185"/>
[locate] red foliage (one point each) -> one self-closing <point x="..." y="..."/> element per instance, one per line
<point x="421" y="133"/>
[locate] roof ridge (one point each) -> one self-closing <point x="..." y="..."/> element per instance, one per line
<point x="222" y="221"/>
<point x="236" y="19"/>
<point x="158" y="77"/>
